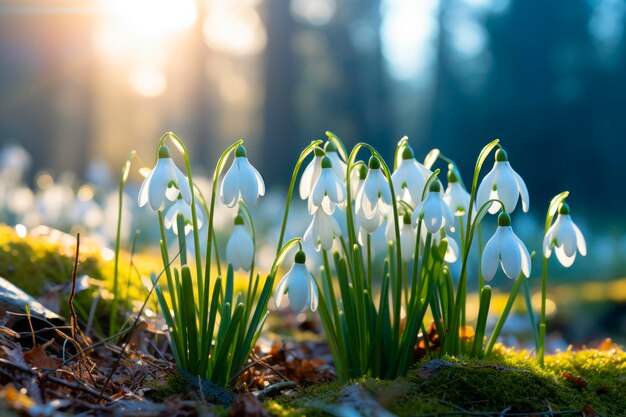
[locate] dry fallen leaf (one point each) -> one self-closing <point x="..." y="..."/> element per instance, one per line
<point x="248" y="405"/>
<point x="573" y="379"/>
<point x="38" y="358"/>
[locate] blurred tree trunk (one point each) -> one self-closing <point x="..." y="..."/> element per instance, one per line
<point x="281" y="135"/>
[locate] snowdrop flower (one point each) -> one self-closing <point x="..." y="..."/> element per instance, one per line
<point x="339" y="166"/>
<point x="322" y="230"/>
<point x="180" y="206"/>
<point x="357" y="178"/>
<point x="311" y="173"/>
<point x="165" y="180"/>
<point x="410" y="177"/>
<point x="374" y="197"/>
<point x="328" y="190"/>
<point x="565" y="237"/>
<point x="241" y="181"/>
<point x="240" y="247"/>
<point x="368" y="225"/>
<point x="456" y="196"/>
<point x="452" y="251"/>
<point x="504" y="184"/>
<point x="408" y="236"/>
<point x="301" y="287"/>
<point x="507" y="249"/>
<point x="434" y="210"/>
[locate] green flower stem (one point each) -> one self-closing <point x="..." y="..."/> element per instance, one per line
<point x="414" y="283"/>
<point x="452" y="340"/>
<point x="481" y="322"/>
<point x="398" y="154"/>
<point x="505" y="314"/>
<point x="292" y="184"/>
<point x="542" y="323"/>
<point x="248" y="217"/>
<point x="552" y="209"/>
<point x="164" y="255"/>
<point x="369" y="262"/>
<point x="531" y="313"/>
<point x="113" y="325"/>
<point x="481" y="279"/>
<point x="182" y="242"/>
<point x="206" y="282"/>
<point x="394" y="205"/>
<point x="194" y="218"/>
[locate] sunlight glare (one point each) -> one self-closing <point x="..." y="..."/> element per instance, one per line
<point x="148" y="81"/>
<point x="151" y="17"/>
<point x="408" y="32"/>
<point x="234" y="28"/>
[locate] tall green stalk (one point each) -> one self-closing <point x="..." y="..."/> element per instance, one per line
<point x="552" y="209"/>
<point x="113" y="314"/>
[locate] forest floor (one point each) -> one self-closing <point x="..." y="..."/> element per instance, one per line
<point x="49" y="367"/>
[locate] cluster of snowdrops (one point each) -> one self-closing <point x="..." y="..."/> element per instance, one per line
<point x="373" y="314"/>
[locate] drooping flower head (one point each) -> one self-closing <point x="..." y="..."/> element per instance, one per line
<point x="504" y="184"/>
<point x="328" y="190"/>
<point x="357" y="178"/>
<point x="410" y="177"/>
<point x="300" y="285"/>
<point x="565" y="237"/>
<point x="408" y="236"/>
<point x="165" y="180"/>
<point x="339" y="166"/>
<point x="433" y="210"/>
<point x="506" y="249"/>
<point x="374" y="197"/>
<point x="456" y="196"/>
<point x="322" y="230"/>
<point x="240" y="247"/>
<point x="180" y="206"/>
<point x="241" y="181"/>
<point x="311" y="173"/>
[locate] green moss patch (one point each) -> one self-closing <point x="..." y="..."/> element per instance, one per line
<point x="508" y="381"/>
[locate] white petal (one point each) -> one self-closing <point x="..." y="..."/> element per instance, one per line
<point x="306" y="182"/>
<point x="248" y="182"/>
<point x="162" y="175"/>
<point x="484" y="192"/>
<point x="339" y="167"/>
<point x="433" y="213"/>
<point x="525" y="256"/>
<point x="491" y="256"/>
<point x="240" y="248"/>
<point x="143" y="191"/>
<point x="407" y="242"/>
<point x="259" y="180"/>
<point x="309" y="176"/>
<point x="452" y="253"/>
<point x="319" y="188"/>
<point x="521" y="185"/>
<point x="510" y="255"/>
<point x="314" y="296"/>
<point x="563" y="258"/>
<point x="182" y="182"/>
<point x="580" y="241"/>
<point x="298" y="288"/>
<point x="280" y="289"/>
<point x="229" y="191"/>
<point x="328" y="206"/>
<point x="507" y="189"/>
<point x="548" y="241"/>
<point x="370" y="224"/>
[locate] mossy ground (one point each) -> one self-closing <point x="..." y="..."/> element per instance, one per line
<point x="36" y="264"/>
<point x="508" y="381"/>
